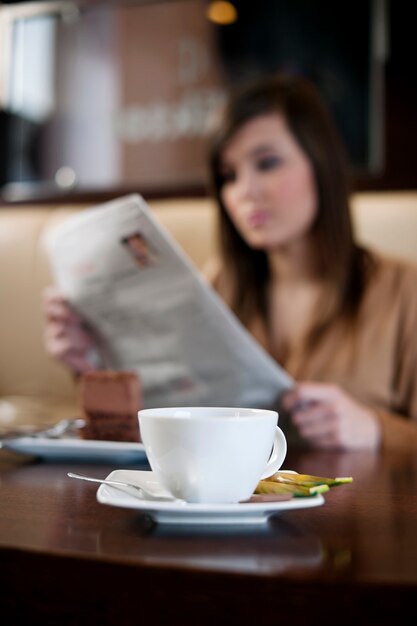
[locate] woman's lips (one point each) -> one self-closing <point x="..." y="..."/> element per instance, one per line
<point x="257" y="218"/>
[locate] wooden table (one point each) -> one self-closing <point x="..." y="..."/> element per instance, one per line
<point x="66" y="559"/>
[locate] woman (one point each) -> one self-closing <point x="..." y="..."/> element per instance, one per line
<point x="342" y="320"/>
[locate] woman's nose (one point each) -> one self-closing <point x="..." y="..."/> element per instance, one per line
<point x="248" y="185"/>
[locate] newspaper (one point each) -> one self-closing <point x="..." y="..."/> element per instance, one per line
<point x="154" y="313"/>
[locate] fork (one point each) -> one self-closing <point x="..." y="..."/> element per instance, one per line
<point x="60" y="428"/>
<point x="51" y="432"/>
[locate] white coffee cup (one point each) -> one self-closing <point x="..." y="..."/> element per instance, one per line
<point x="212" y="454"/>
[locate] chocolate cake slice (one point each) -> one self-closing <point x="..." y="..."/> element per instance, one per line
<point x="110" y="402"/>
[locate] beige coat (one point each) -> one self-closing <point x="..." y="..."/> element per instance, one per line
<point x="377" y="363"/>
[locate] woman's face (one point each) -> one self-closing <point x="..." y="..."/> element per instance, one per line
<point x="269" y="188"/>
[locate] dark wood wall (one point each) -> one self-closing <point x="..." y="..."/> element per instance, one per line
<point x="400" y="171"/>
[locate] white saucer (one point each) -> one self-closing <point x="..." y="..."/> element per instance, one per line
<point x="179" y="512"/>
<point x="75" y="449"/>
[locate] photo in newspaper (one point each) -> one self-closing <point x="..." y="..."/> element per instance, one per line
<point x="154" y="313"/>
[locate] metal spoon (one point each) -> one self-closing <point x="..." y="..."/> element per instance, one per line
<point x="138" y="491"/>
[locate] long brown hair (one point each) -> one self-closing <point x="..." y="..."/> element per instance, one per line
<point x="342" y="264"/>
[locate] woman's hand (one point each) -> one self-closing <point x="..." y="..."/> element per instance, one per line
<point x="329" y="418"/>
<point x="66" y="337"/>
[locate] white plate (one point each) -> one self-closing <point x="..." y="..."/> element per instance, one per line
<point x="178" y="512"/>
<point x="78" y="449"/>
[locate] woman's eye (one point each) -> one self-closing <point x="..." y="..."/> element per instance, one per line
<point x="268" y="163"/>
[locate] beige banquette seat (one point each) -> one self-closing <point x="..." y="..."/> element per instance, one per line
<point x="33" y="388"/>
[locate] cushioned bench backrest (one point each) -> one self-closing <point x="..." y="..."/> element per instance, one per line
<point x="386" y="221"/>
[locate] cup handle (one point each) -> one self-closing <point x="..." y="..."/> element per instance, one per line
<point x="279" y="452"/>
